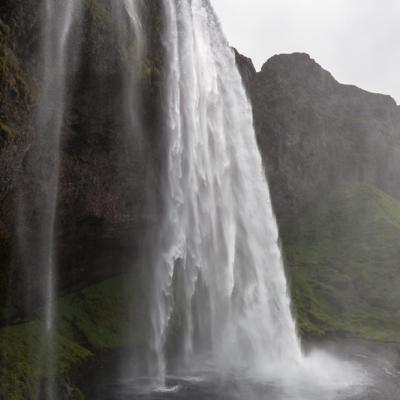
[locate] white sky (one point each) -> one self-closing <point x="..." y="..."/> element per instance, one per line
<point x="358" y="41"/>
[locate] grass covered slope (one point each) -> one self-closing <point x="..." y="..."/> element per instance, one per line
<point x="343" y="257"/>
<point x="91" y="321"/>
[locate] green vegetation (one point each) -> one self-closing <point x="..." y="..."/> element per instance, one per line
<point x="12" y="76"/>
<point x="90" y="321"/>
<point x="149" y="73"/>
<point x="5" y="255"/>
<point x="20" y="351"/>
<point x="15" y="88"/>
<point x="6" y="131"/>
<point x="343" y="259"/>
<point x="100" y="315"/>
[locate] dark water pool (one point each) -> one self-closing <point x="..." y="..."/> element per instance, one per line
<point x="379" y="366"/>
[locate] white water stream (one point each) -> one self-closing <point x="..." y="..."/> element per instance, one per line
<point x="58" y="21"/>
<point x="220" y="281"/>
<point x="221" y="296"/>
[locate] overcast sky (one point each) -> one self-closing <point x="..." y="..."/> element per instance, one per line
<point x="358" y="41"/>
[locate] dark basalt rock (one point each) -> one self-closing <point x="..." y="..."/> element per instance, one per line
<point x="108" y="198"/>
<point x="246" y="69"/>
<point x="315" y="133"/>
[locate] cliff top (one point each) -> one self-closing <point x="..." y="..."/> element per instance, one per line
<point x="302" y="68"/>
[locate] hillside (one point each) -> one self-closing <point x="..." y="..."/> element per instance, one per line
<point x="343" y="259"/>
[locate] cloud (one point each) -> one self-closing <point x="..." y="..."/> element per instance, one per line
<point x="357" y="40"/>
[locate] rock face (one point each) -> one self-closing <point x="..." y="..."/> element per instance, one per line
<point x="17" y="87"/>
<point x="246" y="69"/>
<point x="315" y="133"/>
<point x="109" y="182"/>
<point x="332" y="156"/>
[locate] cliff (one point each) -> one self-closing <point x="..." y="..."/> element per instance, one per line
<point x="108" y="193"/>
<point x="315" y="132"/>
<point x="108" y="187"/>
<point x="332" y="156"/>
<point x="331" y="153"/>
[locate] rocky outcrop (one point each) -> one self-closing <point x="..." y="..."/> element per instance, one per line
<point x="343" y="261"/>
<point x="246" y="68"/>
<point x="17" y="89"/>
<point x="332" y="156"/>
<point x="108" y="198"/>
<point x="315" y="133"/>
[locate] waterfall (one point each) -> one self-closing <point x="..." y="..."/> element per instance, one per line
<point x="213" y="293"/>
<point x="128" y="16"/>
<point x="59" y="17"/>
<point x="221" y="296"/>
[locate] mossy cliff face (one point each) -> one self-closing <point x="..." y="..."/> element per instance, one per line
<point x="108" y="197"/>
<point x="331" y="156"/>
<point x="110" y="167"/>
<point x="92" y="321"/>
<point x="17" y="89"/>
<point x="17" y="86"/>
<point x="343" y="260"/>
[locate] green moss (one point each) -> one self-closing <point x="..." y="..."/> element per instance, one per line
<point x="20" y="349"/>
<point x="6" y="131"/>
<point x="100" y="316"/>
<point x="12" y="76"/>
<point x="17" y="375"/>
<point x="5" y="31"/>
<point x="5" y="257"/>
<point x="92" y="320"/>
<point x="149" y="73"/>
<point x="344" y="264"/>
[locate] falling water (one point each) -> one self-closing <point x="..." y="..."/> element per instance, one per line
<point x="220" y="282"/>
<point x="128" y="15"/>
<point x="219" y="298"/>
<point x="59" y="17"/>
